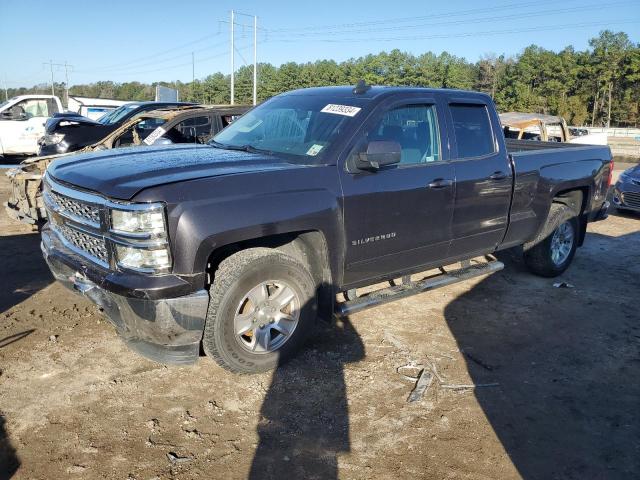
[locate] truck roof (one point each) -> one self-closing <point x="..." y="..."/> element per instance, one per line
<point x="33" y="96"/>
<point x="377" y="91"/>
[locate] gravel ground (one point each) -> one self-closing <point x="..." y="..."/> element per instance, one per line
<point x="76" y="403"/>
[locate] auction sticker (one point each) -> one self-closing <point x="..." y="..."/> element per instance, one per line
<point x="155" y="135"/>
<point x="346" y="110"/>
<point x="314" y="150"/>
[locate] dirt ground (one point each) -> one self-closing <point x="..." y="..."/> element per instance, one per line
<point x="76" y="403"/>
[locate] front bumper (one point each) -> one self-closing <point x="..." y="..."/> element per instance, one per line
<point x="166" y="330"/>
<point x="626" y="196"/>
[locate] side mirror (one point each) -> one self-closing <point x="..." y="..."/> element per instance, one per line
<point x="379" y="154"/>
<point x="6" y="115"/>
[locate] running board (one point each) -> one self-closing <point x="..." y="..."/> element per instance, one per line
<point x="391" y="294"/>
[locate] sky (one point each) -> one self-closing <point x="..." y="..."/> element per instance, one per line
<point x="144" y="40"/>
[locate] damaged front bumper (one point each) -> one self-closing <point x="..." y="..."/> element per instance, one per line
<point x="166" y="330"/>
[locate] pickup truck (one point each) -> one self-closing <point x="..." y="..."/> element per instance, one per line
<point x="22" y="122"/>
<point x="238" y="246"/>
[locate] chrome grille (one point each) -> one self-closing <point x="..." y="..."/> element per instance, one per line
<point x="74" y="208"/>
<point x="90" y="245"/>
<point x="631" y="199"/>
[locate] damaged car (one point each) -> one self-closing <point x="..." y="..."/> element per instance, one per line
<point x="187" y="124"/>
<point x="69" y="132"/>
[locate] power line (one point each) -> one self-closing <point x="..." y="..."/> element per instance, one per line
<point x="460" y="22"/>
<point x="386" y="21"/>
<point x="465" y="34"/>
<point x="161" y="53"/>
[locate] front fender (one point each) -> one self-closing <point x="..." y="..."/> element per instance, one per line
<point x="211" y="213"/>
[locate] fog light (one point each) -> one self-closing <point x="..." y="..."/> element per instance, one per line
<point x="143" y="259"/>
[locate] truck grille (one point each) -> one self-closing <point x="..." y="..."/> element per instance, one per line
<point x="75" y="217"/>
<point x="75" y="208"/>
<point x="91" y="246"/>
<point x="631" y="199"/>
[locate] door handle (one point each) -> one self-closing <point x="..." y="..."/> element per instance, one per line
<point x="440" y="183"/>
<point x="498" y="176"/>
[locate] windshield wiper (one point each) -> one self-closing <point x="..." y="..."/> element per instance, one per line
<point x="242" y="148"/>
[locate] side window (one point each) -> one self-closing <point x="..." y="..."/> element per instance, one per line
<point x="191" y="130"/>
<point x="472" y="127"/>
<point x="34" y="107"/>
<point x="415" y="128"/>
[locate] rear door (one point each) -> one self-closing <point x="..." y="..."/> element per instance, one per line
<point x="398" y="217"/>
<point x="483" y="178"/>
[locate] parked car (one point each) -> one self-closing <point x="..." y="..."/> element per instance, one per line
<point x="183" y="124"/>
<point x="626" y="192"/>
<point x="93" y="108"/>
<point x="22" y="122"/>
<point x="238" y="246"/>
<point x="69" y="133"/>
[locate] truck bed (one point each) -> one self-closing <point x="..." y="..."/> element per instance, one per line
<point x="514" y="145"/>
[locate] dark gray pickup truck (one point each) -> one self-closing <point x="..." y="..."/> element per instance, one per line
<point x="240" y="245"/>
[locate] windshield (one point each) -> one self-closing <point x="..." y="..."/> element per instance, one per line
<point x="4" y="103"/>
<point x="299" y="127"/>
<point x="118" y="114"/>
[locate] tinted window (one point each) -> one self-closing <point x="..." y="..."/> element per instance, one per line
<point x="473" y="130"/>
<point x="415" y="128"/>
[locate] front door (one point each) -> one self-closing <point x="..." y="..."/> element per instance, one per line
<point x="398" y="217"/>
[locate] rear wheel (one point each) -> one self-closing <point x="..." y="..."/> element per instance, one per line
<point x="551" y="254"/>
<point x="262" y="308"/>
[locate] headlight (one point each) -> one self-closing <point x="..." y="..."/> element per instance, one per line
<point x="140" y="237"/>
<point x="138" y="221"/>
<point x="53" y="139"/>
<point x="156" y="258"/>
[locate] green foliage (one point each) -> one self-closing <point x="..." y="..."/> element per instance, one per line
<point x="598" y="86"/>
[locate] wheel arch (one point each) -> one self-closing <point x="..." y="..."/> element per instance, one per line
<point x="576" y="199"/>
<point x="308" y="246"/>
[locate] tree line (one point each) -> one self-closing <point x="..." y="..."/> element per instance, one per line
<point x="599" y="86"/>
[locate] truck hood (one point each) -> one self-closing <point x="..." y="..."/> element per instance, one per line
<point x="122" y="173"/>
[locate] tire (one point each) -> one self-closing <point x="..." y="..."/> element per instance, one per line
<point x="549" y="255"/>
<point x="231" y="311"/>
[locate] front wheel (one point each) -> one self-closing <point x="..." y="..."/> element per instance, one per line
<point x="553" y="252"/>
<point x="262" y="308"/>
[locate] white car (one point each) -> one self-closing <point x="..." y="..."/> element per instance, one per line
<point x="22" y="122"/>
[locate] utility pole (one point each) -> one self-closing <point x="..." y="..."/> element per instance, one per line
<point x="6" y="91"/>
<point x="255" y="59"/>
<point x="193" y="68"/>
<point x="232" y="63"/>
<point x="66" y="81"/>
<point x="66" y="76"/>
<point x="51" y="66"/>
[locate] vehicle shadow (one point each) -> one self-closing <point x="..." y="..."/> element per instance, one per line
<point x="24" y="271"/>
<point x="9" y="462"/>
<point x="304" y="419"/>
<point x="569" y="383"/>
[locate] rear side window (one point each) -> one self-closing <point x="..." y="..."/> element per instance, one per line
<point x="474" y="136"/>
